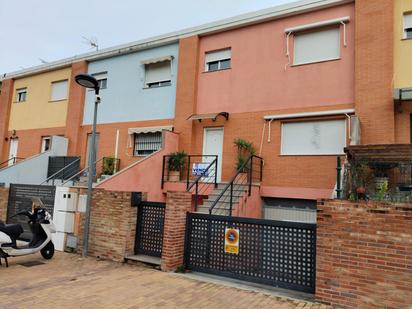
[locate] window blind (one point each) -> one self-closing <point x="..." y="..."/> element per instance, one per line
<point x="59" y="90"/>
<point x="218" y="55"/>
<point x="313" y="137"/>
<point x="158" y="72"/>
<point x="317" y="46"/>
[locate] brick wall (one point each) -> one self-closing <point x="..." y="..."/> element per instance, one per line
<point x="112" y="225"/>
<point x="177" y="206"/>
<point x="364" y="254"/>
<point x="4" y="198"/>
<point x="5" y="105"/>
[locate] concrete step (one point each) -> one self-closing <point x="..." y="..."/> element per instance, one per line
<point x="144" y="259"/>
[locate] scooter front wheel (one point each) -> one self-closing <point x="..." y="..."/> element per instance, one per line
<point x="48" y="251"/>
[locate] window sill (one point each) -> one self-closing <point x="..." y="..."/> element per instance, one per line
<point x="313" y="155"/>
<point x="19" y="101"/>
<point x="216" y="70"/>
<point x="92" y="90"/>
<point x="315" y="62"/>
<point x="56" y="101"/>
<point x="406" y="39"/>
<point x="157" y="87"/>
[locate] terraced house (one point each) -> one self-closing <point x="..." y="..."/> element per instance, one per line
<point x="289" y="82"/>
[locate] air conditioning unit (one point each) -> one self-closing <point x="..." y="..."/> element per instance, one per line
<point x="355" y="130"/>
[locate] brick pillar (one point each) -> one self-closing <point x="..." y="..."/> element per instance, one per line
<point x="186" y="90"/>
<point x="75" y="107"/>
<point x="374" y="70"/>
<point x="6" y="97"/>
<point x="4" y="199"/>
<point x="177" y="205"/>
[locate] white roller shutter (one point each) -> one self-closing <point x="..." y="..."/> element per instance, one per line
<point x="314" y="137"/>
<point x="59" y="90"/>
<point x="317" y="46"/>
<point x="158" y="72"/>
<point x="407" y="23"/>
<point x="218" y="55"/>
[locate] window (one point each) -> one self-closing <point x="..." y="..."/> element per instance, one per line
<point x="407" y="26"/>
<point x="326" y="137"/>
<point x="21" y="95"/>
<point x="45" y="143"/>
<point x="158" y="74"/>
<point x="101" y="79"/>
<point x="317" y="46"/>
<point x="147" y="143"/>
<point x="59" y="90"/>
<point x="218" y="60"/>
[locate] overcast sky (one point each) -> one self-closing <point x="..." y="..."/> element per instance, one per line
<point x="52" y="29"/>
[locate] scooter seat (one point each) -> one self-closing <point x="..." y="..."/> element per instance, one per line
<point x="13" y="230"/>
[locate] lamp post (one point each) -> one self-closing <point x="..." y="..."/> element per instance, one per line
<point x="89" y="81"/>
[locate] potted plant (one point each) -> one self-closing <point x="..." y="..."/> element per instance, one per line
<point x="108" y="166"/>
<point x="175" y="165"/>
<point x="244" y="150"/>
<point x="362" y="176"/>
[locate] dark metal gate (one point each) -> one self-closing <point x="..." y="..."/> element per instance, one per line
<point x="149" y="229"/>
<point x="277" y="253"/>
<point x="20" y="199"/>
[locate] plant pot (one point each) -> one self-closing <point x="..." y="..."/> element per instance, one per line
<point x="379" y="181"/>
<point x="360" y="190"/>
<point x="174" y="176"/>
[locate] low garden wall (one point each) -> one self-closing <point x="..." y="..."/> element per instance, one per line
<point x="364" y="254"/>
<point x="4" y="199"/>
<point x="112" y="226"/>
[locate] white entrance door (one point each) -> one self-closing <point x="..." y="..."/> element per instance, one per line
<point x="14" y="143"/>
<point x="213" y="145"/>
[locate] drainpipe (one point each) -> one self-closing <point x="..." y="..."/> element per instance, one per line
<point x="116" y="151"/>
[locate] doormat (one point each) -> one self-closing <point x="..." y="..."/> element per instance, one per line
<point x="31" y="263"/>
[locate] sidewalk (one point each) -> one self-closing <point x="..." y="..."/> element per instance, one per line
<point x="69" y="281"/>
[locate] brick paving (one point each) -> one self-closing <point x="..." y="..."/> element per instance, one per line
<point x="69" y="281"/>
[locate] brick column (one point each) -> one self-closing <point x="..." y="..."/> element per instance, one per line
<point x="177" y="205"/>
<point x="6" y="96"/>
<point x="4" y="199"/>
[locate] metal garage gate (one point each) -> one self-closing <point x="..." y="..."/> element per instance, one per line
<point x="20" y="199"/>
<point x="270" y="252"/>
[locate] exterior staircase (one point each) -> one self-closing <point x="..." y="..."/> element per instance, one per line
<point x="222" y="208"/>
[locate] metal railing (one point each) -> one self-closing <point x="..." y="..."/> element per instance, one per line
<point x="186" y="171"/>
<point x="83" y="172"/>
<point x="207" y="177"/>
<point x="6" y="163"/>
<point x="250" y="171"/>
<point x="61" y="172"/>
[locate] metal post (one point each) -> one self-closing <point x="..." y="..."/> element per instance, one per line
<point x="231" y="197"/>
<point x="250" y="175"/>
<point x="188" y="172"/>
<point x="92" y="168"/>
<point x="216" y="171"/>
<point x="338" y="178"/>
<point x="196" y="196"/>
<point x="163" y="172"/>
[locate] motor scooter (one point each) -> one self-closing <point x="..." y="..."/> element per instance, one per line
<point x="41" y="226"/>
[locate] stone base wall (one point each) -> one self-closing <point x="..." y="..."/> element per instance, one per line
<point x="4" y="199"/>
<point x="364" y="254"/>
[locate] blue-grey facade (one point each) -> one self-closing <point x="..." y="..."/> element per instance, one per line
<point x="126" y="98"/>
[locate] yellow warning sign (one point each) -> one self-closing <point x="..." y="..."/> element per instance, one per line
<point x="232" y="240"/>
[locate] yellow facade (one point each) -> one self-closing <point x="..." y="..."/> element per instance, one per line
<point x="38" y="111"/>
<point x="403" y="47"/>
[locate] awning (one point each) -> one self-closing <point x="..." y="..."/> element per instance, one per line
<point x="212" y="116"/>
<point x="324" y="23"/>
<point x="155" y="60"/>
<point x="311" y="114"/>
<point x="149" y="129"/>
<point x="402" y="94"/>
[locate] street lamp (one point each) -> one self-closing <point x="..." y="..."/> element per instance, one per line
<point x="89" y="81"/>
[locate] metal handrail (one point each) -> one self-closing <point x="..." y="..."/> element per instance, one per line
<point x="14" y="160"/>
<point x="214" y="162"/>
<point x="188" y="167"/>
<point x="59" y="171"/>
<point x="231" y="183"/>
<point x="79" y="173"/>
